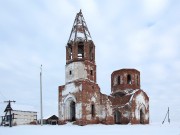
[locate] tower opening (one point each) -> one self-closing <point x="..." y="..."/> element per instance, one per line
<point x="72" y="111"/>
<point x="80" y="50"/>
<point x="118" y="80"/>
<point x="129" y="81"/>
<point x="69" y="49"/>
<point x="117" y="117"/>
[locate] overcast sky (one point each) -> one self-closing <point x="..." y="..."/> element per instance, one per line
<point x="141" y="34"/>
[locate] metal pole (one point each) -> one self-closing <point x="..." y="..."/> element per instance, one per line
<point x="168" y="116"/>
<point x="41" y="96"/>
<point x="165" y="118"/>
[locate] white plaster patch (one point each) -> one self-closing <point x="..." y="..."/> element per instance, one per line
<point x="141" y="104"/>
<point x="71" y="88"/>
<point x="140" y="99"/>
<point x="75" y="71"/>
<point x="87" y="107"/>
<point x="102" y="112"/>
<point x="79" y="110"/>
<point x="147" y="116"/>
<point x="61" y="111"/>
<point x="126" y="114"/>
<point x="93" y="99"/>
<point x="109" y="108"/>
<point x="88" y="117"/>
<point x="68" y="97"/>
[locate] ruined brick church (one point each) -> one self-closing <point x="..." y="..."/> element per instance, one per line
<point x="80" y="99"/>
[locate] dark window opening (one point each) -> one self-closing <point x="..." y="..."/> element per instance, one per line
<point x="91" y="72"/>
<point x="118" y="80"/>
<point x="80" y="50"/>
<point x="129" y="81"/>
<point x="70" y="72"/>
<point x="92" y="110"/>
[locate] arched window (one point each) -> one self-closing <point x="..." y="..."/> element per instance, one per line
<point x="129" y="81"/>
<point x="69" y="51"/>
<point x="119" y="80"/>
<point x="92" y="110"/>
<point x="80" y="50"/>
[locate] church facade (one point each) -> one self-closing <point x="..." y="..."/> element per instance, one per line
<point x="80" y="99"/>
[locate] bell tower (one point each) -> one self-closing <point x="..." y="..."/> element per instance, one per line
<point x="79" y="98"/>
<point x="80" y="53"/>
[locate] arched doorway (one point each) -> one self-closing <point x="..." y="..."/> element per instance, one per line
<point x="117" y="117"/>
<point x="141" y="116"/>
<point x="72" y="111"/>
<point x="69" y="109"/>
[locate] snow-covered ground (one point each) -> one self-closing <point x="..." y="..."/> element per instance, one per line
<point x="69" y="129"/>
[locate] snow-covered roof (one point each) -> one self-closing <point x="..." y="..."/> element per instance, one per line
<point x="47" y="117"/>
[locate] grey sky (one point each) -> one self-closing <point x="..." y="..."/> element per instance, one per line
<point x="141" y="34"/>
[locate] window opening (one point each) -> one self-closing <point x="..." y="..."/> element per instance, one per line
<point x="80" y="50"/>
<point x="118" y="80"/>
<point x="70" y="72"/>
<point x="92" y="110"/>
<point x="129" y="81"/>
<point x="91" y="72"/>
<point x="70" y="51"/>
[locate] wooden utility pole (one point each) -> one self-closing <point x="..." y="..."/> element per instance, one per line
<point x="9" y="109"/>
